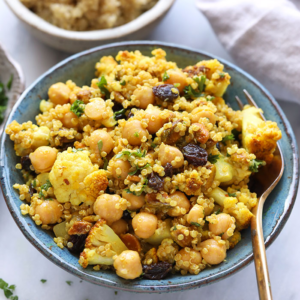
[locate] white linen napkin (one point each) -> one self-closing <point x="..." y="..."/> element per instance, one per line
<point x="263" y="37"/>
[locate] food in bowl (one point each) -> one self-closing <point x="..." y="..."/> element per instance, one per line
<point x="146" y="171"/>
<point x="83" y="15"/>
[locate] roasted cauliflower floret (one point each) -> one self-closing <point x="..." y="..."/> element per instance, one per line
<point x="259" y="137"/>
<point x="101" y="245"/>
<point x="75" y="179"/>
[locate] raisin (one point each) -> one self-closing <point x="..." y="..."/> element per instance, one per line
<point x="32" y="190"/>
<point x="169" y="171"/>
<point x="157" y="271"/>
<point x="130" y="115"/>
<point x="26" y="163"/>
<point x="155" y="182"/>
<point x="117" y="106"/>
<point x="126" y="215"/>
<point x="166" y="92"/>
<point x="195" y="155"/>
<point x="218" y="146"/>
<point x="78" y="242"/>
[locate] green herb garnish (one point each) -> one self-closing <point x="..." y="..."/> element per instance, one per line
<point x="102" y="83"/>
<point x="120" y="114"/>
<point x="195" y="224"/>
<point x="174" y="228"/>
<point x="254" y="165"/>
<point x="229" y="137"/>
<point x="210" y="98"/>
<point x="10" y="81"/>
<point x="218" y="211"/>
<point x="123" y="82"/>
<point x="137" y="153"/>
<point x="136" y="134"/>
<point x="105" y="163"/>
<point x="138" y="169"/>
<point x="74" y="150"/>
<point x="44" y="187"/>
<point x="165" y="76"/>
<point x="213" y="158"/>
<point x="3" y="101"/>
<point x="77" y="108"/>
<point x="43" y="280"/>
<point x="231" y="194"/>
<point x="153" y="145"/>
<point x="222" y="75"/>
<point x="34" y="183"/>
<point x="177" y="85"/>
<point x="8" y="290"/>
<point x="189" y="92"/>
<point x="100" y="146"/>
<point x="236" y="133"/>
<point x="69" y="282"/>
<point x="116" y="293"/>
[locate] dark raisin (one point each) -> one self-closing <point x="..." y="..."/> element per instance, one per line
<point x="32" y="190"/>
<point x="155" y="182"/>
<point x="169" y="170"/>
<point x="195" y="155"/>
<point x="117" y="106"/>
<point x="218" y="146"/>
<point x="166" y="92"/>
<point x="26" y="163"/>
<point x="130" y="115"/>
<point x="78" y="242"/>
<point x="66" y="146"/>
<point x="157" y="271"/>
<point x="126" y="215"/>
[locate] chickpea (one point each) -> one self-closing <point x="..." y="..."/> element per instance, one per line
<point x="213" y="252"/>
<point x="199" y="112"/>
<point x="145" y="95"/>
<point x="222" y="223"/>
<point x="197" y="212"/>
<point x="169" y="154"/>
<point x="120" y="168"/>
<point x="182" y="206"/>
<point x="94" y="110"/>
<point x="177" y="76"/>
<point x="136" y="202"/>
<point x="104" y="136"/>
<point x="134" y="132"/>
<point x="108" y="207"/>
<point x="201" y="133"/>
<point x="155" y="121"/>
<point x="67" y="120"/>
<point x="187" y="258"/>
<point x="50" y="211"/>
<point x="128" y="265"/>
<point x="144" y="224"/>
<point x="59" y="93"/>
<point x="119" y="227"/>
<point x="43" y="158"/>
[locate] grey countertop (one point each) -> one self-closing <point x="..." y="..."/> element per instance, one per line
<point x="23" y="265"/>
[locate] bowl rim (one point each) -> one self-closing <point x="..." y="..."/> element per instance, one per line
<point x="140" y="288"/>
<point x="33" y="20"/>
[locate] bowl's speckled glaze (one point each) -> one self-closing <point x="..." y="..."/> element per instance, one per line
<point x="80" y="68"/>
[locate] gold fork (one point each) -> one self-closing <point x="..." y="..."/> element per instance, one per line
<point x="267" y="177"/>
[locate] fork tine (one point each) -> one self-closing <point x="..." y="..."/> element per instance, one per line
<point x="252" y="102"/>
<point x="239" y="102"/>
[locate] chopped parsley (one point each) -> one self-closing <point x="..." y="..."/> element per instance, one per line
<point x="10" y="81"/>
<point x="254" y="165"/>
<point x="34" y="183"/>
<point x="123" y="82"/>
<point x="116" y="293"/>
<point x="100" y="146"/>
<point x="222" y="75"/>
<point x="153" y="145"/>
<point x="128" y="191"/>
<point x="165" y="76"/>
<point x="221" y="234"/>
<point x="177" y="85"/>
<point x="105" y="163"/>
<point x="213" y="158"/>
<point x="136" y="134"/>
<point x="189" y="92"/>
<point x="138" y="169"/>
<point x="74" y="150"/>
<point x="3" y="100"/>
<point x="174" y="228"/>
<point x="8" y="290"/>
<point x="44" y="187"/>
<point x="210" y="98"/>
<point x="236" y="133"/>
<point x="231" y="194"/>
<point x="102" y="83"/>
<point x="229" y="137"/>
<point x="77" y="108"/>
<point x="43" y="280"/>
<point x="120" y="114"/>
<point x="69" y="282"/>
<point x="218" y="211"/>
<point x="195" y="224"/>
<point x="137" y="153"/>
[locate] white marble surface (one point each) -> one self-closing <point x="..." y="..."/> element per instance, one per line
<point x="23" y="265"/>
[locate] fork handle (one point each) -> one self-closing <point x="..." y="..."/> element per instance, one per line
<point x="259" y="251"/>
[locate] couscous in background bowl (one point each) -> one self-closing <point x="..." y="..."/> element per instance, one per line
<point x="80" y="69"/>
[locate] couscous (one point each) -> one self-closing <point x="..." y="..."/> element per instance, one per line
<point x="83" y="15"/>
<point x="146" y="170"/>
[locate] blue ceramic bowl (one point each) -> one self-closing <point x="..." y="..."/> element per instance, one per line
<point x="80" y="68"/>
